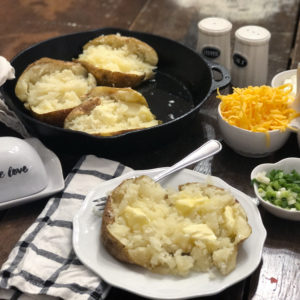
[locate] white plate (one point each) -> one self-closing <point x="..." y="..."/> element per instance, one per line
<point x="55" y="176"/>
<point x="142" y="282"/>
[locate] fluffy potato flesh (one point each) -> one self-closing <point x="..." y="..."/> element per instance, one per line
<point x="111" y="111"/>
<point x="50" y="85"/>
<point x="58" y="90"/>
<point x="116" y="60"/>
<point x="175" y="232"/>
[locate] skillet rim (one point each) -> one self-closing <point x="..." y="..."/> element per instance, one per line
<point x="108" y="30"/>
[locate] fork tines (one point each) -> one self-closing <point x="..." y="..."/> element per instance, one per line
<point x="100" y="203"/>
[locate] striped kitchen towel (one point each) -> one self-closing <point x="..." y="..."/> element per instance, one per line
<point x="43" y="264"/>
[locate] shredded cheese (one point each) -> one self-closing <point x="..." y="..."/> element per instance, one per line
<point x="259" y="108"/>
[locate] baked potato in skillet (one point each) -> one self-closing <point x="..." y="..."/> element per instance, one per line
<point x="51" y="88"/>
<point x="108" y="111"/>
<point x="196" y="228"/>
<point x="119" y="61"/>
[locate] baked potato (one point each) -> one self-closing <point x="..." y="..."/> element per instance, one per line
<point x="195" y="228"/>
<point x="109" y="111"/>
<point x="51" y="88"/>
<point x="119" y="61"/>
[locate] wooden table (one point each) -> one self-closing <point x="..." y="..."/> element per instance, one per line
<point x="23" y="23"/>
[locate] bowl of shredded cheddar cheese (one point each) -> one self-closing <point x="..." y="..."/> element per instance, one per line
<point x="255" y="121"/>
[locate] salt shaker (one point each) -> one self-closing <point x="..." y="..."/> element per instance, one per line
<point x="214" y="40"/>
<point x="250" y="56"/>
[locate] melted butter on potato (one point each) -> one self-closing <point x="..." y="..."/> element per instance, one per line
<point x="200" y="232"/>
<point x="175" y="232"/>
<point x="135" y="217"/>
<point x="186" y="205"/>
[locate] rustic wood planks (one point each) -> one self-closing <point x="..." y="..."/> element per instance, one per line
<point x="28" y="22"/>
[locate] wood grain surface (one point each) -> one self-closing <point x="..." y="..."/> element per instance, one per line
<point x="25" y="22"/>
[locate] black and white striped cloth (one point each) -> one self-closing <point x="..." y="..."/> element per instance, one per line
<point x="43" y="264"/>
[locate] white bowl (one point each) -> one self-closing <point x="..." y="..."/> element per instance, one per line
<point x="249" y="143"/>
<point x="287" y="165"/>
<point x="279" y="78"/>
<point x="22" y="171"/>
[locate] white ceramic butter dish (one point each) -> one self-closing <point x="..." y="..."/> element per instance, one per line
<point x="22" y="171"/>
<point x="28" y="171"/>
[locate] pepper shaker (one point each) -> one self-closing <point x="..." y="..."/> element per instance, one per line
<point x="214" y="40"/>
<point x="250" y="56"/>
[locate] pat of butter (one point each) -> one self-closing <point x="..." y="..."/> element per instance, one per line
<point x="188" y="204"/>
<point x="135" y="216"/>
<point x="293" y="81"/>
<point x="229" y="218"/>
<point x="200" y="232"/>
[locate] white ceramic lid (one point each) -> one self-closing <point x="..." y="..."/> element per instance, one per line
<point x="22" y="171"/>
<point x="214" y="26"/>
<point x="253" y="35"/>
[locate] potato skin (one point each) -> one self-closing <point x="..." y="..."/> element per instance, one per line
<point x="114" y="79"/>
<point x="121" y="94"/>
<point x="83" y="109"/>
<point x="113" y="246"/>
<point x="118" y="79"/>
<point x="55" y="118"/>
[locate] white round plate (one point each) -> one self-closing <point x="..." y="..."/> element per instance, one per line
<point x="89" y="249"/>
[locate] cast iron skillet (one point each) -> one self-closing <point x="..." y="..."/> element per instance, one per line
<point x="184" y="80"/>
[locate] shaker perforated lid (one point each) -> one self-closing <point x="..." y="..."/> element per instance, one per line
<point x="253" y="35"/>
<point x="214" y="26"/>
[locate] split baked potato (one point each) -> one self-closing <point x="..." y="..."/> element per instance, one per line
<point x="109" y="111"/>
<point x="196" y="228"/>
<point x="119" y="61"/>
<point x="51" y="88"/>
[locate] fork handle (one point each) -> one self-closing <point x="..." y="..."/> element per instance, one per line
<point x="206" y="150"/>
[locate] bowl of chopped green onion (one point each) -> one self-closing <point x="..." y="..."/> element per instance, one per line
<point x="277" y="186"/>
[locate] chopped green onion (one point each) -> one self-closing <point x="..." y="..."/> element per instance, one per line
<point x="280" y="188"/>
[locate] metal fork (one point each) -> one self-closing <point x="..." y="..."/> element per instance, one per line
<point x="208" y="149"/>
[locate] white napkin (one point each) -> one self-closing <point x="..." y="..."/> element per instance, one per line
<point x="43" y="262"/>
<point x="8" y="117"/>
<point x="6" y="70"/>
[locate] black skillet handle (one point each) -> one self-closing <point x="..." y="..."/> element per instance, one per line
<point x="225" y="76"/>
